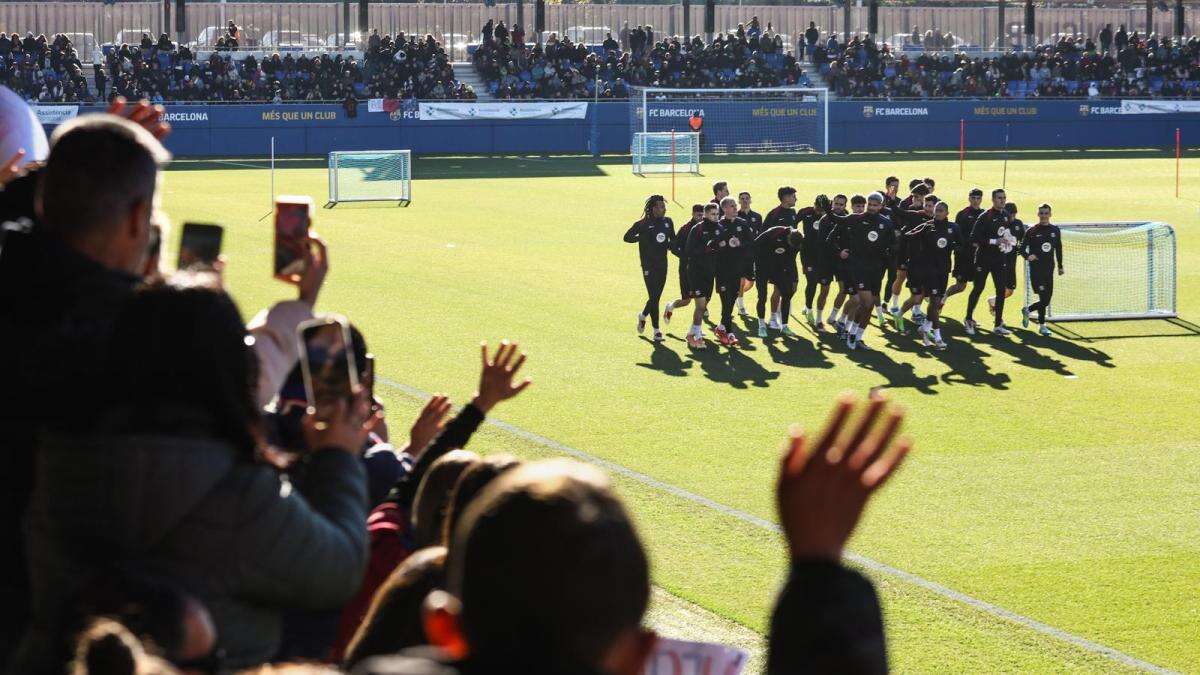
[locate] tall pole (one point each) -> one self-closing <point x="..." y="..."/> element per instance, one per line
<point x="520" y="14"/>
<point x="845" y="21"/>
<point x="1001" y="27"/>
<point x="687" y="19"/>
<point x="1149" y="18"/>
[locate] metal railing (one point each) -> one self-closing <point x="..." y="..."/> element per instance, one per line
<point x="459" y="23"/>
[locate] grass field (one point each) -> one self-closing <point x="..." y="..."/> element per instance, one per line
<point x="1055" y="478"/>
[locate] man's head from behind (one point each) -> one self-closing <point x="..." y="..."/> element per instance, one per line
<point x="549" y="572"/>
<point x="97" y="190"/>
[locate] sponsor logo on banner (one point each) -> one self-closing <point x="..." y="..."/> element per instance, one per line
<point x="1085" y="110"/>
<point x="1158" y="107"/>
<point x="189" y="116"/>
<point x="895" y="111"/>
<point x="503" y="111"/>
<point x="676" y="112"/>
<point x="55" y="114"/>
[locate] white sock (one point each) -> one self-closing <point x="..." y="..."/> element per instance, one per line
<point x="670" y="305"/>
<point x="833" y="315"/>
<point x="740" y="303"/>
<point x="895" y="305"/>
<point x="775" y="317"/>
<point x="937" y="334"/>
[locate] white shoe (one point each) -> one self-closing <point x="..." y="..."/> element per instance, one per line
<point x="668" y="311"/>
<point x="775" y="324"/>
<point x="970" y="325"/>
<point x="1044" y="331"/>
<point x="658" y="336"/>
<point x="991" y="305"/>
<point x="641" y="324"/>
<point x="1001" y="331"/>
<point x="851" y="342"/>
<point x="926" y="339"/>
<point x="938" y="343"/>
<point x="741" y="307"/>
<point x="762" y="329"/>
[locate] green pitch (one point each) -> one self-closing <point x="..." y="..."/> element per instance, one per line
<point x="1056" y="478"/>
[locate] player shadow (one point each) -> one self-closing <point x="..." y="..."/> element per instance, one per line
<point x="1067" y="349"/>
<point x="797" y="352"/>
<point x="666" y="360"/>
<point x="732" y="367"/>
<point x="1017" y="346"/>
<point x="898" y="375"/>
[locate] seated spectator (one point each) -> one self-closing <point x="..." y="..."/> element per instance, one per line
<point x="43" y="71"/>
<point x="169" y="481"/>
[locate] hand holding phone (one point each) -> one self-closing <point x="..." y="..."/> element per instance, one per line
<point x="199" y="246"/>
<point x="293" y="217"/>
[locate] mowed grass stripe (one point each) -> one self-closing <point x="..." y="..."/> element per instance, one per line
<point x="860" y="560"/>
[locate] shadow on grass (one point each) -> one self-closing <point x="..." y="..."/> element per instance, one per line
<point x="1122" y="329"/>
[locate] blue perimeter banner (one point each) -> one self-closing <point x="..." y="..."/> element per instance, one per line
<point x="246" y="130"/>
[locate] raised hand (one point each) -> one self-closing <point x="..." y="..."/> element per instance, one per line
<point x="152" y="118"/>
<point x="11" y="169"/>
<point x="316" y="266"/>
<point x="824" y="483"/>
<point x="343" y="424"/>
<point x="428" y="424"/>
<point x="496" y="380"/>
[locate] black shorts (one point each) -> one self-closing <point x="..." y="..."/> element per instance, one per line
<point x="684" y="286"/>
<point x="932" y="285"/>
<point x="700" y="282"/>
<point x="786" y="276"/>
<point x="728" y="284"/>
<point x="818" y="275"/>
<point x="749" y="270"/>
<point x="868" y="278"/>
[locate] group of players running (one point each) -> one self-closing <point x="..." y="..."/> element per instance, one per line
<point x="883" y="243"/>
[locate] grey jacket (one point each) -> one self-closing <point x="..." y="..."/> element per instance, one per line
<point x="236" y="534"/>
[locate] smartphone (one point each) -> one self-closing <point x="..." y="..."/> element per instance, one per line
<point x="200" y="244"/>
<point x="293" y="216"/>
<point x="327" y="362"/>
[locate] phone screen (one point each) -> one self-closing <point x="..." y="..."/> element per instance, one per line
<point x="327" y="362"/>
<point x="293" y="215"/>
<point x="199" y="244"/>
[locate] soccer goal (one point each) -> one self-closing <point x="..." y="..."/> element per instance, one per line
<point x="1113" y="271"/>
<point x="666" y="152"/>
<point x="370" y="176"/>
<point x="731" y="121"/>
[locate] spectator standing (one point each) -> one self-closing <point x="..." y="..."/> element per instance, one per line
<point x="624" y="36"/>
<point x="1121" y="38"/>
<point x="1106" y="38"/>
<point x="811" y="35"/>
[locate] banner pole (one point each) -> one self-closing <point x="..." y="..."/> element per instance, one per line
<point x="962" y="145"/>
<point x="1178" y="154"/>
<point x="673" y="165"/>
<point x="1004" y="178"/>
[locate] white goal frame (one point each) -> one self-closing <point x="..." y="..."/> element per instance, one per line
<point x="403" y="194"/>
<point x="679" y="139"/>
<point x="821" y="92"/>
<point x="1152" y="284"/>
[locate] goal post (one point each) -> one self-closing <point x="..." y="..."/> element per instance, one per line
<point x="733" y="121"/>
<point x="370" y="176"/>
<point x="665" y="152"/>
<point x="1113" y="271"/>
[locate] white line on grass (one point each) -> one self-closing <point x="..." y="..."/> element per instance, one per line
<point x="862" y="561"/>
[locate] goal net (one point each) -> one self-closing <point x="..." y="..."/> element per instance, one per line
<point x="1113" y="271"/>
<point x="785" y="119"/>
<point x="367" y="176"/>
<point x="666" y="152"/>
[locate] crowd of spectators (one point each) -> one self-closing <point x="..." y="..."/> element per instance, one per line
<point x="162" y="70"/>
<point x="747" y="57"/>
<point x="1118" y="64"/>
<point x="43" y="70"/>
<point x="175" y="501"/>
<point x="403" y="67"/>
